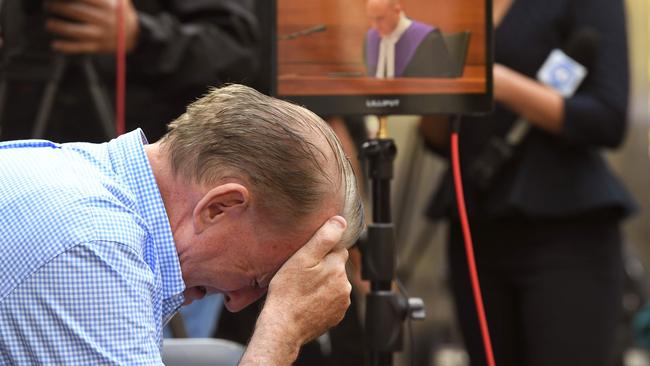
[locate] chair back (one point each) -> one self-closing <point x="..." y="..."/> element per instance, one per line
<point x="457" y="44"/>
<point x="201" y="352"/>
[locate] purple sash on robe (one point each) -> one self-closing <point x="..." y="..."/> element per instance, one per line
<point x="404" y="48"/>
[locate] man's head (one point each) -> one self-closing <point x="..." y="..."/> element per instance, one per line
<point x="384" y="15"/>
<point x="265" y="174"/>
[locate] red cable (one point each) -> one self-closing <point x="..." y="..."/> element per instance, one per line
<point x="120" y="78"/>
<point x="469" y="249"/>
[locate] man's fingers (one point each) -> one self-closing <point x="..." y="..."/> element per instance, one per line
<point x="99" y="3"/>
<point x="72" y="47"/>
<point x="325" y="238"/>
<point x="337" y="260"/>
<point x="73" y="31"/>
<point x="338" y="256"/>
<point x="76" y="11"/>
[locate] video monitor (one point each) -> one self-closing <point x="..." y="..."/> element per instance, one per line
<point x="383" y="56"/>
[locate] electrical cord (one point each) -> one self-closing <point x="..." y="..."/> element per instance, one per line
<point x="469" y="247"/>
<point x="120" y="78"/>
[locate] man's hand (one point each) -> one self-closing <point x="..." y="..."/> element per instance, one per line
<point x="309" y="294"/>
<point x="90" y="26"/>
<point x="311" y="290"/>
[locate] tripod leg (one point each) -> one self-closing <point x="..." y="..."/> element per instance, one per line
<point x="49" y="95"/>
<point x="100" y="99"/>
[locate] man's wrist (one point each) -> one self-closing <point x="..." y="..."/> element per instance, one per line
<point x="274" y="341"/>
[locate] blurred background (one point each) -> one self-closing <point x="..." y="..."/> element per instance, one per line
<point x="437" y="339"/>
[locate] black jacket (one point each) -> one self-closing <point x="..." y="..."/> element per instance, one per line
<point x="553" y="176"/>
<point x="184" y="47"/>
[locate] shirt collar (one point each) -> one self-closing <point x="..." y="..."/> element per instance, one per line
<point x="402" y="26"/>
<point x="132" y="164"/>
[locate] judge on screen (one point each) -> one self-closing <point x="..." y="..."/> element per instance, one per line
<point x="397" y="46"/>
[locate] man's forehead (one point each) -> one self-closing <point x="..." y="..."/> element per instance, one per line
<point x="383" y="4"/>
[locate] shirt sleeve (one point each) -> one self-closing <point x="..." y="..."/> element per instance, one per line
<point x="91" y="305"/>
<point x="197" y="42"/>
<point x="596" y="114"/>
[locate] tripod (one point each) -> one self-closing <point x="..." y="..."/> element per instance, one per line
<point x="98" y="95"/>
<point x="385" y="310"/>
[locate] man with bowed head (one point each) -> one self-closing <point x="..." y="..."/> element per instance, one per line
<point x="102" y="243"/>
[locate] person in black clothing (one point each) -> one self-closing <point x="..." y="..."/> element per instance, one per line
<point x="547" y="231"/>
<point x="176" y="50"/>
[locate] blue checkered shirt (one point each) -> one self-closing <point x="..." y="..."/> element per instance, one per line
<point x="88" y="267"/>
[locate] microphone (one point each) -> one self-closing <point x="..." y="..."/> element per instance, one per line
<point x="305" y="32"/>
<point x="563" y="71"/>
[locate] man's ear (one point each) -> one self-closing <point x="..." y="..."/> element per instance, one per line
<point x="228" y="198"/>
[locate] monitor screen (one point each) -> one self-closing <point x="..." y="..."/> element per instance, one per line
<point x="383" y="56"/>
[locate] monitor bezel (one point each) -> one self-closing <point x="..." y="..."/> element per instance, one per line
<point x="391" y="104"/>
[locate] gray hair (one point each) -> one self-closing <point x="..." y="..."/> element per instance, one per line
<point x="235" y="131"/>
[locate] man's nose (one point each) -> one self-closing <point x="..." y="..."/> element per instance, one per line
<point x="238" y="300"/>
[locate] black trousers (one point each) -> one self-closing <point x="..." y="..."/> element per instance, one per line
<point x="552" y="290"/>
